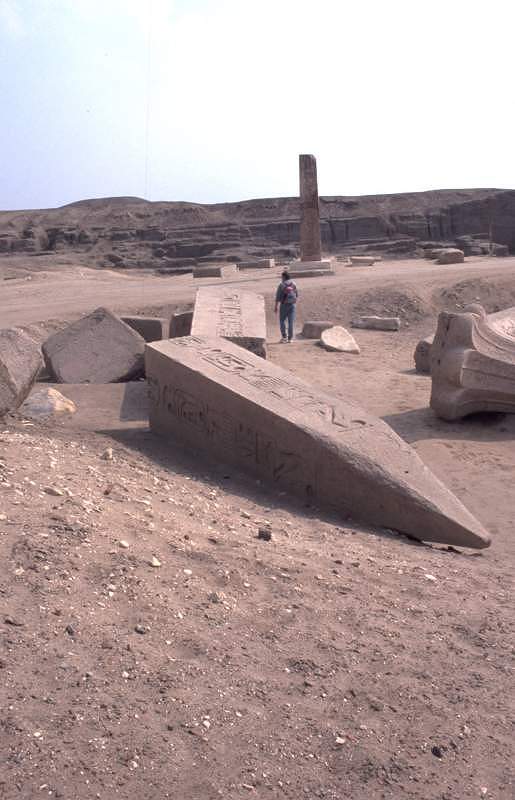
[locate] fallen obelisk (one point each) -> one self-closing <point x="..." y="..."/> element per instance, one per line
<point x="231" y="314"/>
<point x="473" y="364"/>
<point x="310" y="264"/>
<point x="211" y="395"/>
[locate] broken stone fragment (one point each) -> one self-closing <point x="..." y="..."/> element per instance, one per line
<point x="99" y="348"/>
<point x="20" y="363"/>
<point x="339" y="340"/>
<point x="47" y="403"/>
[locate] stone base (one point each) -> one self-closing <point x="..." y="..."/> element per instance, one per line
<point x="310" y="273"/>
<point x="301" y="266"/>
<point x="377" y="323"/>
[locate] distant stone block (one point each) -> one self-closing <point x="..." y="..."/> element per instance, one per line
<point x="377" y="323"/>
<point x="262" y="263"/>
<point x="99" y="348"/>
<point x="207" y="272"/>
<point x="451" y="256"/>
<point x="310" y="273"/>
<point x="153" y="329"/>
<point x="306" y="266"/>
<point x="362" y="261"/>
<point x="180" y="324"/>
<point x="313" y="328"/>
<point x="232" y="314"/>
<point x="20" y="363"/>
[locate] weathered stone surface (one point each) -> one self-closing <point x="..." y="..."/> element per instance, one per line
<point x="377" y="323"/>
<point x="153" y="329"/>
<point x="310" y="241"/>
<point x="99" y="348"/>
<point x="207" y="272"/>
<point x="262" y="263"/>
<point x="213" y="396"/>
<point x="451" y="256"/>
<point x="339" y="339"/>
<point x="473" y="364"/>
<point x="231" y="314"/>
<point x="20" y="363"/>
<point x="362" y="261"/>
<point x="422" y="355"/>
<point x="47" y="402"/>
<point x="313" y="328"/>
<point x="180" y="324"/>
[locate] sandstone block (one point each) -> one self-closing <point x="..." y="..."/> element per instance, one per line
<point x="262" y="263"/>
<point x="377" y="323"/>
<point x="339" y="340"/>
<point x="473" y="364"/>
<point x="152" y="329"/>
<point x="207" y="272"/>
<point x="362" y="261"/>
<point x="310" y="273"/>
<point x="307" y="266"/>
<point x="313" y="328"/>
<point x="451" y="256"/>
<point x="231" y="314"/>
<point x="180" y="324"/>
<point x="99" y="348"/>
<point x="20" y="363"/>
<point x="217" y="398"/>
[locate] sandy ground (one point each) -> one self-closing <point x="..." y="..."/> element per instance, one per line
<point x="333" y="661"/>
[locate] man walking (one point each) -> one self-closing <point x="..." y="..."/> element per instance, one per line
<point x="285" y="299"/>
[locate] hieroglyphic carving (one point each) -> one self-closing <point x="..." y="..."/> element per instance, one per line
<point x="229" y="316"/>
<point x="224" y="431"/>
<point x="296" y="394"/>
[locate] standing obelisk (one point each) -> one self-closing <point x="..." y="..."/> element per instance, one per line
<point x="310" y="264"/>
<point x="310" y="244"/>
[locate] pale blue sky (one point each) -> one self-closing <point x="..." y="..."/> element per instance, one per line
<point x="212" y="100"/>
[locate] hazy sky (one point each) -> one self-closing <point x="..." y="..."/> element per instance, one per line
<point x="213" y="100"/>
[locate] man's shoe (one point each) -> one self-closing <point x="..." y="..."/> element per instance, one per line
<point x="283" y="340"/>
<point x="289" y="341"/>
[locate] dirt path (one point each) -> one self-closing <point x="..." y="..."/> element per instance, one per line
<point x="69" y="292"/>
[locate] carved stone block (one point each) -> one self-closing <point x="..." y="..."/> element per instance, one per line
<point x="473" y="364"/>
<point x="217" y="398"/>
<point x="231" y="314"/>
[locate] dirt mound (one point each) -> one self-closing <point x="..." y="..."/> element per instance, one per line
<point x="494" y="295"/>
<point x="391" y="303"/>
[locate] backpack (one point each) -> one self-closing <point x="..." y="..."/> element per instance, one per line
<point x="289" y="293"/>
